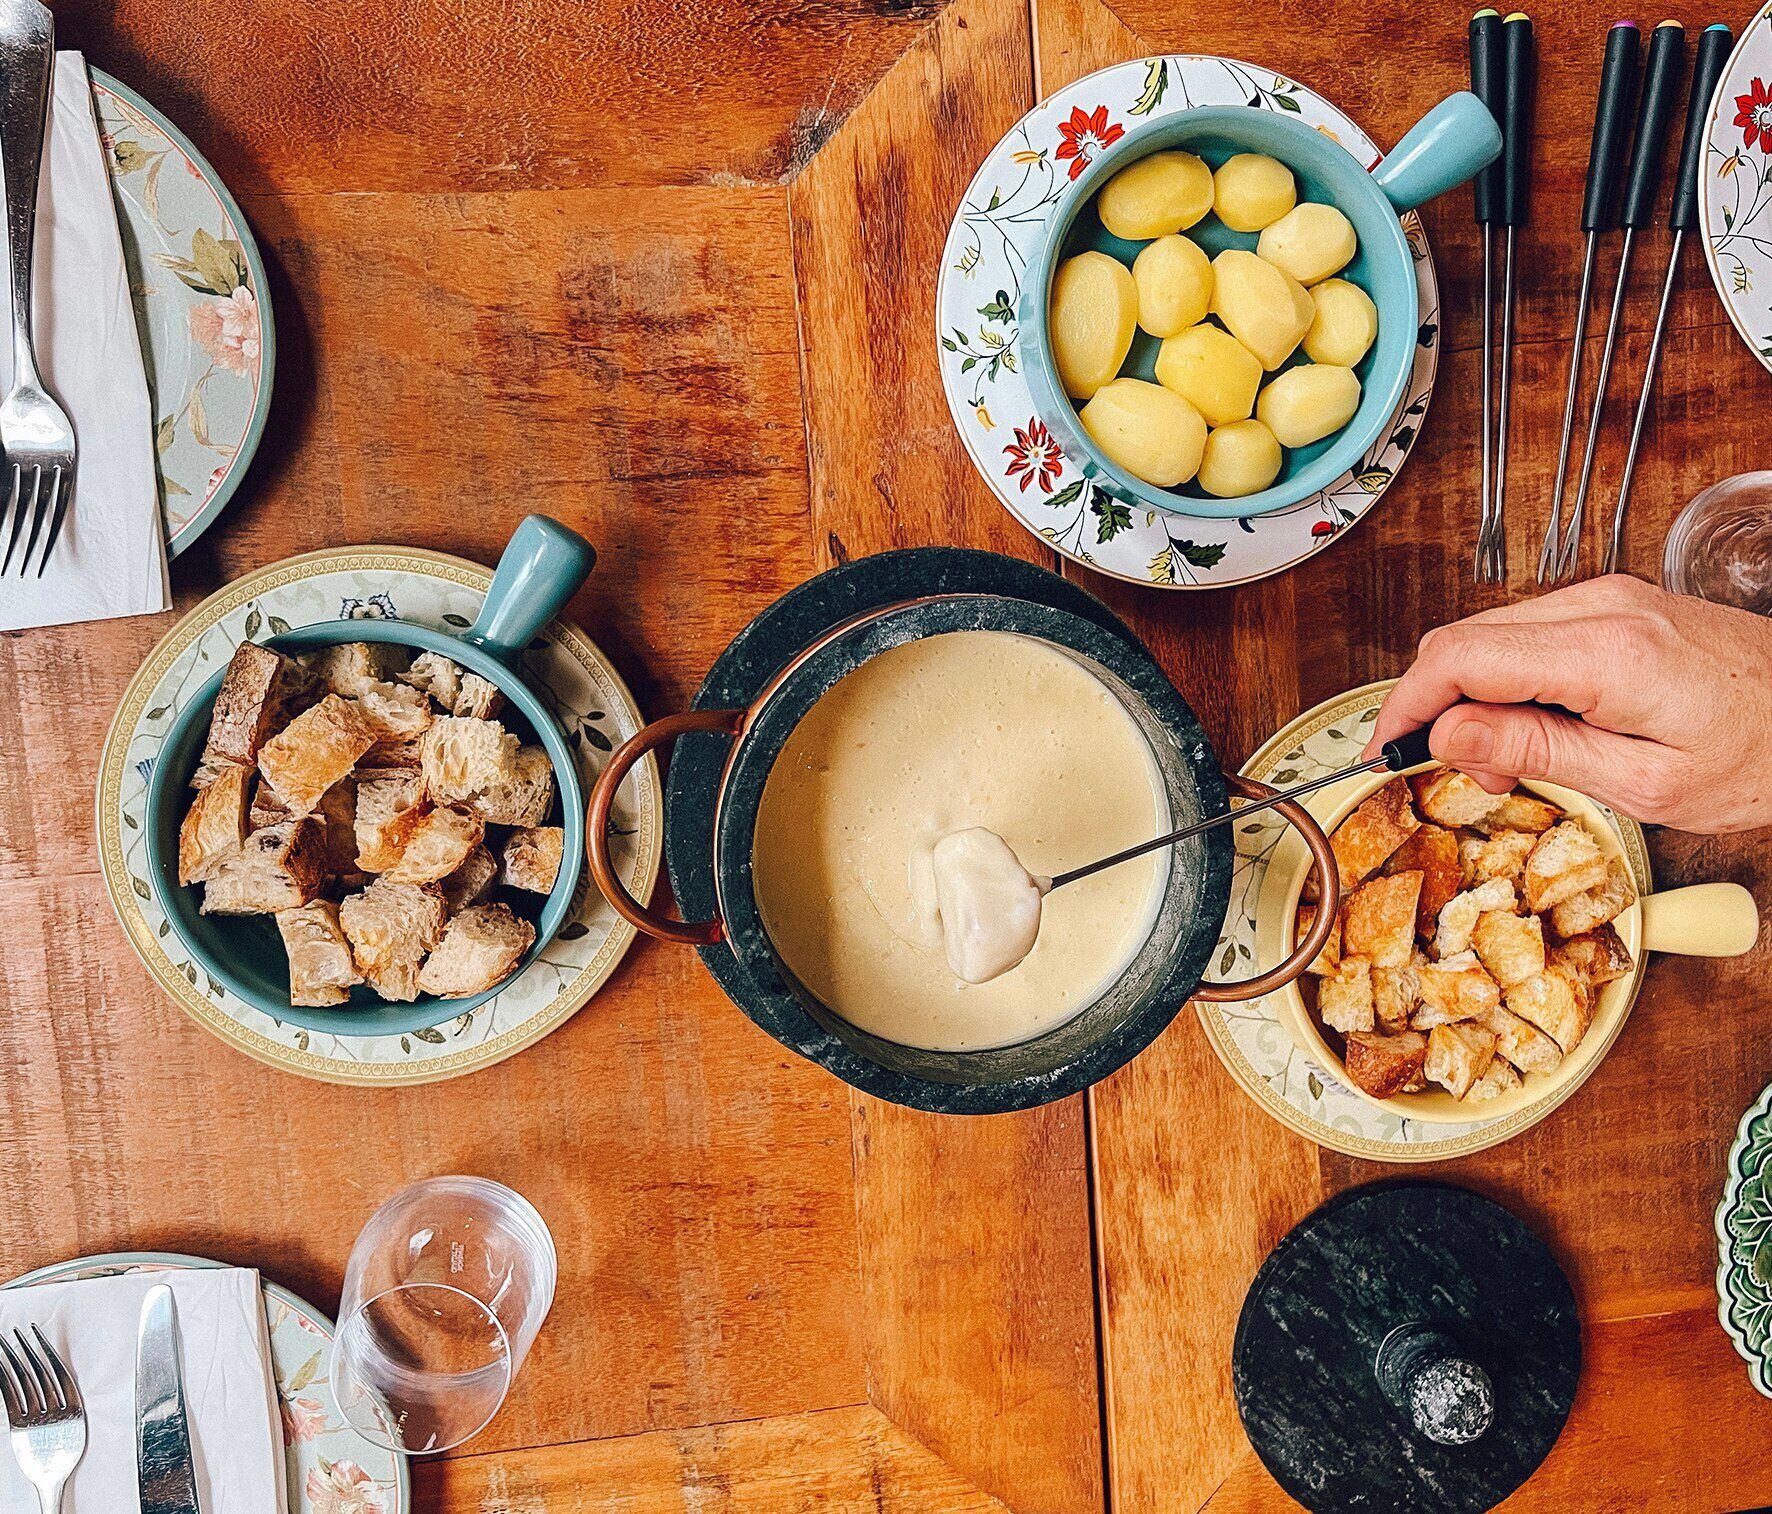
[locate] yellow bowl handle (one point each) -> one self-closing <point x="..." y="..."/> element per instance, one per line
<point x="1704" y="920"/>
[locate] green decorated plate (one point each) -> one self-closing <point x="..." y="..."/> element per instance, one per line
<point x="198" y="286"/>
<point x="1744" y="1244"/>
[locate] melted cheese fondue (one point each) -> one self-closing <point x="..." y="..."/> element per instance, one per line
<point x="970" y="728"/>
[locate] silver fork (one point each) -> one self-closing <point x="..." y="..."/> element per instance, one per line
<point x="47" y="1418"/>
<point x="35" y="433"/>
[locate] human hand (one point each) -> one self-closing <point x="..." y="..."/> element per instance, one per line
<point x="1654" y="703"/>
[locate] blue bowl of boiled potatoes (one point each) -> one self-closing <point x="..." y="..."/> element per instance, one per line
<point x="1222" y="316"/>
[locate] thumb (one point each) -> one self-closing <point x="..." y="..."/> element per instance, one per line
<point x="1498" y="743"/>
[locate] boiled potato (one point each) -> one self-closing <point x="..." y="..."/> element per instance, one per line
<point x="1345" y="325"/>
<point x="1241" y="458"/>
<point x="1264" y="307"/>
<point x="1252" y="191"/>
<point x="1212" y="371"/>
<point x="1156" y="196"/>
<point x="1092" y="314"/>
<point x="1150" y="432"/>
<point x="1310" y="242"/>
<point x="1174" y="279"/>
<point x="1307" y="403"/>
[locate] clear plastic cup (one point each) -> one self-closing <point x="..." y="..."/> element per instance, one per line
<point x="1720" y="548"/>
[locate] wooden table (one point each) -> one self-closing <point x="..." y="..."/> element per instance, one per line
<point x="667" y="271"/>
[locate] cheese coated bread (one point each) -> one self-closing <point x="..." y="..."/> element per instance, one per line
<point x="321" y="970"/>
<point x="316" y="749"/>
<point x="480" y="948"/>
<point x="215" y="824"/>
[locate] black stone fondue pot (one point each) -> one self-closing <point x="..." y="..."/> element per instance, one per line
<point x="1124" y="1020"/>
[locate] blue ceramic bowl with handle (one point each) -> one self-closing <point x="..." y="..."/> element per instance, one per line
<point x="542" y="568"/>
<point x="1449" y="144"/>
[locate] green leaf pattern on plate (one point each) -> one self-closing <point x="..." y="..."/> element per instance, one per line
<point x="1744" y="1244"/>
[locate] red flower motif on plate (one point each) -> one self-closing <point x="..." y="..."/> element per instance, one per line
<point x="1084" y="135"/>
<point x="1753" y="114"/>
<point x="1034" y="454"/>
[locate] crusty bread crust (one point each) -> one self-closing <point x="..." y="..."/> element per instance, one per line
<point x="215" y="824"/>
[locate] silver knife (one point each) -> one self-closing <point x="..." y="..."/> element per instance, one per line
<point x="162" y="1431"/>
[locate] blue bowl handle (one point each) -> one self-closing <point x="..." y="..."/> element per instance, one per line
<point x="542" y="567"/>
<point x="1444" y="148"/>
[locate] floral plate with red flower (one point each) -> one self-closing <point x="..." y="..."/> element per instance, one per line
<point x="328" y="1468"/>
<point x="1735" y="208"/>
<point x="993" y="236"/>
<point x="201" y="306"/>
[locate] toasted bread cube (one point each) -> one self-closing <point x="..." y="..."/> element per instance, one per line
<point x="1564" y="862"/>
<point x="461" y="758"/>
<point x="316" y="749"/>
<point x="1502" y="1077"/>
<point x="1511" y="946"/>
<point x="391" y="926"/>
<point x="353" y="666"/>
<point x="256" y="695"/>
<point x="1520" y="812"/>
<point x="1459" y="918"/>
<point x="469" y="883"/>
<point x="531" y="858"/>
<point x="527" y="798"/>
<point x="478" y="698"/>
<point x="438" y="845"/>
<point x="1379" y="921"/>
<point x="215" y="824"/>
<point x="1457" y="1055"/>
<point x="434" y="674"/>
<point x="1396" y="992"/>
<point x="336" y="814"/>
<point x="1328" y="958"/>
<point x="1367" y="837"/>
<point x="1520" y="1041"/>
<point x="1385" y="1066"/>
<point x="1558" y="1002"/>
<point x="267" y="808"/>
<point x="480" y="948"/>
<point x="1344" y="1000"/>
<point x="396" y="712"/>
<point x="1458" y="988"/>
<point x="1598" y="955"/>
<point x="1502" y="855"/>
<point x="1433" y="852"/>
<point x="321" y="970"/>
<point x="1451" y="798"/>
<point x="280" y="867"/>
<point x="210" y="766"/>
<point x="1594" y="907"/>
<point x="391" y="805"/>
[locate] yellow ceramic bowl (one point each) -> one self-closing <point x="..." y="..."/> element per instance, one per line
<point x="1703" y="920"/>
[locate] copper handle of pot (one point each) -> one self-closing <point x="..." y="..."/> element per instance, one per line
<point x="688" y="932"/>
<point x="1329" y="880"/>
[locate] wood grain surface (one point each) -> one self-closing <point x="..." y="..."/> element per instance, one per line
<point x="668" y="271"/>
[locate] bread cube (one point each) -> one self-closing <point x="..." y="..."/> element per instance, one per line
<point x="1459" y="918"/>
<point x="1520" y="812"/>
<point x="526" y="798"/>
<point x="280" y="867"/>
<point x="1396" y="993"/>
<point x="1458" y="988"/>
<point x="1457" y="1055"/>
<point x="258" y="692"/>
<point x="1502" y="1077"/>
<point x="1384" y="1065"/>
<point x="215" y="824"/>
<point x="1451" y="798"/>
<point x="267" y="808"/>
<point x="459" y="692"/>
<point x="470" y="882"/>
<point x="437" y="846"/>
<point x="321" y="971"/>
<point x="336" y="815"/>
<point x="461" y="758"/>
<point x="1344" y="999"/>
<point x="396" y="712"/>
<point x="391" y="926"/>
<point x="1379" y="921"/>
<point x="1558" y="1001"/>
<point x="1594" y="907"/>
<point x="1433" y="852"/>
<point x="532" y="855"/>
<point x="1520" y="1041"/>
<point x="1565" y="861"/>
<point x="1330" y="956"/>
<point x="354" y="666"/>
<point x="391" y="804"/>
<point x="1511" y="946"/>
<point x="1501" y="855"/>
<point x="1367" y="837"/>
<point x="1598" y="955"/>
<point x="480" y="948"/>
<point x="316" y="749"/>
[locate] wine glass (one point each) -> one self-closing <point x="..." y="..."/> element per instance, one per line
<point x="444" y="1292"/>
<point x="1720" y="548"/>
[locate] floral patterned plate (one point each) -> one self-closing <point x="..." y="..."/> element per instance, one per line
<point x="201" y="305"/>
<point x="385" y="583"/>
<point x="330" y="1469"/>
<point x="1735" y="207"/>
<point x="994" y="233"/>
<point x="1744" y="1244"/>
<point x="1249" y="1038"/>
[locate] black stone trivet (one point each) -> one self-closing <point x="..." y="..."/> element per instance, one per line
<point x="1481" y="1348"/>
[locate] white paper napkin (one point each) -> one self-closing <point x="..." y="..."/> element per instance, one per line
<point x="111" y="559"/>
<point x="230" y="1394"/>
